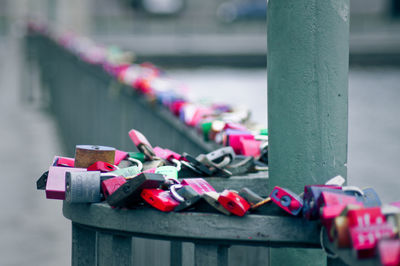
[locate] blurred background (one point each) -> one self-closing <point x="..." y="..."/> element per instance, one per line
<point x="218" y="48"/>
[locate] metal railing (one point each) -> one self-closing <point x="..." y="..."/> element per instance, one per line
<point x="91" y="107"/>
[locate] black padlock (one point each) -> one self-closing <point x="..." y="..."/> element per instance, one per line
<point x="198" y="165"/>
<point x="129" y="193"/>
<point x="42" y="181"/>
<point x="187" y="170"/>
<point x="187" y="197"/>
<point x="241" y="165"/>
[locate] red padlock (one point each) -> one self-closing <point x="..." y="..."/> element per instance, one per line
<point x="389" y="252"/>
<point x="198" y="184"/>
<point x="109" y="186"/>
<point x="102" y="167"/>
<point x="159" y="199"/>
<point x="287" y="200"/>
<point x="365" y="238"/>
<point x="234" y="203"/>
<point x="365" y="217"/>
<point x="64" y="161"/>
<point x="332" y="204"/>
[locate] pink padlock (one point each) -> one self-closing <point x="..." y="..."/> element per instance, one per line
<point x="287" y="200"/>
<point x="55" y="187"/>
<point x="198" y="184"/>
<point x="365" y="238"/>
<point x="119" y="156"/>
<point x="250" y="147"/>
<point x="233" y="138"/>
<point x="389" y="252"/>
<point x="64" y="161"/>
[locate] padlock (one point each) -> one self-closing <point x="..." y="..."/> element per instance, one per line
<point x="142" y="143"/>
<point x="198" y="165"/>
<point x="102" y="167"/>
<point x="287" y="200"/>
<point x="191" y="199"/>
<point x="129" y="193"/>
<point x="250" y="147"/>
<point x="211" y="198"/>
<point x="187" y="170"/>
<point x="241" y="165"/>
<point x="365" y="238"/>
<point x="264" y="153"/>
<point x="339" y="230"/>
<point x="82" y="187"/>
<point x="205" y="128"/>
<point x="55" y="185"/>
<point x="232" y="138"/>
<point x="86" y="155"/>
<point x="127" y="172"/>
<point x="168" y="171"/>
<point x="155" y="163"/>
<point x="119" y="156"/>
<point x="331" y="205"/>
<point x="168" y="155"/>
<point x="394" y="220"/>
<point x="176" y="106"/>
<point x="159" y="199"/>
<point x="311" y="196"/>
<point x="198" y="184"/>
<point x="370" y="198"/>
<point x="250" y="196"/>
<point x="200" y="113"/>
<point x="234" y="203"/>
<point x="389" y="252"/>
<point x="137" y="156"/>
<point x="216" y="127"/>
<point x="218" y="155"/>
<point x="109" y="186"/>
<point x="365" y="217"/>
<point x="218" y="169"/>
<point x="64" y="161"/>
<point x="42" y="181"/>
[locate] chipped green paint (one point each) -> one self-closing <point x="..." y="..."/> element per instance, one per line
<point x="308" y="51"/>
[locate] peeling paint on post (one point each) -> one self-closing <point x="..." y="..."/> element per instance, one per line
<point x="308" y="51"/>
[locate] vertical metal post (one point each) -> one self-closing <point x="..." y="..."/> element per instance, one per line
<point x="308" y="50"/>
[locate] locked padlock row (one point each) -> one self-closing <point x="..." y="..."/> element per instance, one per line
<point x="223" y="124"/>
<point x="353" y="218"/>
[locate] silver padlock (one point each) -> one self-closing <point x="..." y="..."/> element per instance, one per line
<point x="82" y="187"/>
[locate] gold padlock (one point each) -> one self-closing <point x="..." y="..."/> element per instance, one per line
<point x="86" y="155"/>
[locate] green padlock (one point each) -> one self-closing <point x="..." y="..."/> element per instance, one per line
<point x="168" y="171"/>
<point x="264" y="132"/>
<point x="206" y="127"/>
<point x="137" y="155"/>
<point x="127" y="172"/>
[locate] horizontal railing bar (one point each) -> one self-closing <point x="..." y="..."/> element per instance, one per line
<point x="197" y="227"/>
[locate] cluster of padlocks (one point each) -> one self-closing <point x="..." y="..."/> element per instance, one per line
<point x="221" y="123"/>
<point x="168" y="181"/>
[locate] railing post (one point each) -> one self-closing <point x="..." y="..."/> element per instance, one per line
<point x="208" y="254"/>
<point x="83" y="246"/>
<point x="113" y="250"/>
<point x="308" y="49"/>
<point x="176" y="253"/>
